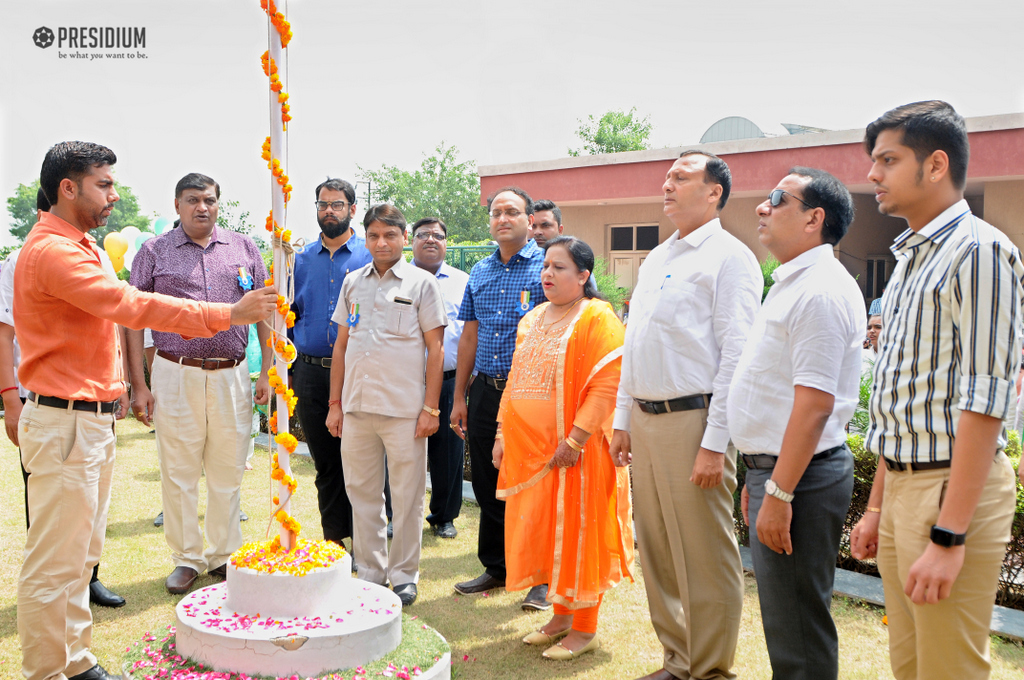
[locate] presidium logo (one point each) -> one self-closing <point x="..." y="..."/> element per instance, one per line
<point x="128" y="40"/>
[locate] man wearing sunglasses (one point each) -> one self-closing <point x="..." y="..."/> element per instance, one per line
<point x="319" y="271"/>
<point x="445" y="450"/>
<point x="794" y="389"/>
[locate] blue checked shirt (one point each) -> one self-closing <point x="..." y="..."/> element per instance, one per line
<point x="498" y="295"/>
<point x="951" y="336"/>
<point x="318" y="277"/>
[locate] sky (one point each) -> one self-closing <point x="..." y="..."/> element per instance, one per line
<point x="384" y="82"/>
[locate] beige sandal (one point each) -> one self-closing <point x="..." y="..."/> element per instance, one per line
<point x="560" y="653"/>
<point x="541" y="639"/>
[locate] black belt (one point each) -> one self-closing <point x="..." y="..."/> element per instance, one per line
<point x="76" y="404"/>
<point x="916" y="467"/>
<point x="496" y="383"/>
<point x="323" y="362"/>
<point x="205" y="364"/>
<point x="448" y="375"/>
<point x="764" y="461"/>
<point x="694" y="401"/>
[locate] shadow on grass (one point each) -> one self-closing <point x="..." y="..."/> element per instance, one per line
<point x="148" y="475"/>
<point x="137" y="527"/>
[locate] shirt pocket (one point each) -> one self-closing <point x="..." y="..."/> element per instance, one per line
<point x="401" y="319"/>
<point x="771" y="352"/>
<point x="682" y="306"/>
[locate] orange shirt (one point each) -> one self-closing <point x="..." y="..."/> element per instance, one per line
<point x="65" y="308"/>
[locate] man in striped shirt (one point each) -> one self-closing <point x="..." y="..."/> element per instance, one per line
<point x="943" y="497"/>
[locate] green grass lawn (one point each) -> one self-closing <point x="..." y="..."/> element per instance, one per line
<point x="484" y="630"/>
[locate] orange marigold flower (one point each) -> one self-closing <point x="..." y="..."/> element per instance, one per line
<point x="277" y="474"/>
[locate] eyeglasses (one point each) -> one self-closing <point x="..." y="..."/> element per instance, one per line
<point x="427" y="235"/>
<point x="775" y="198"/>
<point x="337" y="206"/>
<point x="511" y="213"/>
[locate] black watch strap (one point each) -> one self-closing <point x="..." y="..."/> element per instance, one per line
<point x="946" y="538"/>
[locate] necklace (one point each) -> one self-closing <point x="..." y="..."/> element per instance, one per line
<point x="559" y="320"/>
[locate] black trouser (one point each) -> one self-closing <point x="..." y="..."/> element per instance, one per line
<point x="447" y="460"/>
<point x="312" y="386"/>
<point x="484" y="401"/>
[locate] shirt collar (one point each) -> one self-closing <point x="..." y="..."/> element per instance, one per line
<point x="352" y="241"/>
<point x="802" y="261"/>
<point x="936" y="231"/>
<point x="526" y="252"/>
<point x="179" y="237"/>
<point x="443" y="272"/>
<point x="56" y="225"/>
<point x="697" y="237"/>
<point x="399" y="268"/>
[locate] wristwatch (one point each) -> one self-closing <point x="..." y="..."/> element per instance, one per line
<point x="772" y="489"/>
<point x="432" y="411"/>
<point x="946" y="538"/>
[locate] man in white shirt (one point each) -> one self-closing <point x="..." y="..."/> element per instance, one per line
<point x="446" y="454"/>
<point x="794" y="389"/>
<point x="696" y="296"/>
<point x="942" y="502"/>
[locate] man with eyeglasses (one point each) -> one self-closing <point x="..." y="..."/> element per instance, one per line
<point x="695" y="298"/>
<point x="320" y="269"/>
<point x="795" y="387"/>
<point x="445" y="450"/>
<point x="501" y="289"/>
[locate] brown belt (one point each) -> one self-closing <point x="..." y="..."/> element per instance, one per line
<point x="205" y="364"/>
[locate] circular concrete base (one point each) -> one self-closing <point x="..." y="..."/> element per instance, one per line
<point x="366" y="627"/>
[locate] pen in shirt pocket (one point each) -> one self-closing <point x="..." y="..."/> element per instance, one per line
<point x="667" y="277"/>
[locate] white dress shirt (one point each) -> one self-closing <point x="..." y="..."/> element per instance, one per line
<point x="809" y="332"/>
<point x="453" y="285"/>
<point x="694" y="301"/>
<point x="951" y="336"/>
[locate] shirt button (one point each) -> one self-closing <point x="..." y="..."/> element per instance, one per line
<point x="499" y="312"/>
<point x="366" y="376"/>
<point x="502" y="290"/>
<point x="506" y="268"/>
<point x="367" y="354"/>
<point x="495" y="335"/>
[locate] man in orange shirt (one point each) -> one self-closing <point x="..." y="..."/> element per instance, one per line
<point x="65" y="311"/>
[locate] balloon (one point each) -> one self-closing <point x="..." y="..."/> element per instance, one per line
<point x="115" y="244"/>
<point x="130" y="234"/>
<point x="143" y="237"/>
<point x="117" y="261"/>
<point x="162" y="224"/>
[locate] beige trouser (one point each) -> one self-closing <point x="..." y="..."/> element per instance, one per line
<point x="70" y="458"/>
<point x="688" y="550"/>
<point x="949" y="639"/>
<point x="203" y="424"/>
<point x="365" y="440"/>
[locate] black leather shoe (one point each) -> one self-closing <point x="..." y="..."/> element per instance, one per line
<point x="221" y="572"/>
<point x="481" y="584"/>
<point x="445" y="530"/>
<point x="100" y="595"/>
<point x="97" y="672"/>
<point x="406" y="593"/>
<point x="180" y="580"/>
<point x="159" y="521"/>
<point x="536" y="599"/>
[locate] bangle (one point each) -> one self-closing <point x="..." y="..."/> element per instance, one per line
<point x="333" y="402"/>
<point x="870" y="509"/>
<point x="574" y="445"/>
<point x="8" y="389"/>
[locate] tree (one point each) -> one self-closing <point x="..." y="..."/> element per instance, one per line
<point x="442" y="187"/>
<point x="616" y="131"/>
<point x="22" y="209"/>
<point x="226" y="219"/>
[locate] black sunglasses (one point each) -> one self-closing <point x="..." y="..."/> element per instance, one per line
<point x="775" y="198"/>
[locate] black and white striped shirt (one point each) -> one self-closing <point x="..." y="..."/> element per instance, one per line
<point x="951" y="336"/>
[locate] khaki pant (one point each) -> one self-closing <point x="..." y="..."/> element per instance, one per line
<point x="688" y="550"/>
<point x="365" y="440"/>
<point x="203" y="424"/>
<point x="949" y="639"/>
<point x="70" y="458"/>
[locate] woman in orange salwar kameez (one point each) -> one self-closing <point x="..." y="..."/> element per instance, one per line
<point x="568" y="516"/>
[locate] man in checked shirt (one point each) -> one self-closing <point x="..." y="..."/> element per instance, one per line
<point x="940" y="509"/>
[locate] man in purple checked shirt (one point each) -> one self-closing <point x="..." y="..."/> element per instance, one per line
<point x="201" y="385"/>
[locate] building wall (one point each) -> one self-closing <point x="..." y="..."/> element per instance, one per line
<point x="1004" y="208"/>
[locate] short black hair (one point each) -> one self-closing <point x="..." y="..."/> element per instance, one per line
<point x="385" y="213"/>
<point x="582" y="256"/>
<point x="41" y="202"/>
<point x="335" y="184"/>
<point x="716" y="171"/>
<point x="544" y="204"/>
<point x="71" y="160"/>
<point x="521" y="193"/>
<point x="197" y="181"/>
<point x="424" y="221"/>
<point x="828" y="193"/>
<point x="927" y="127"/>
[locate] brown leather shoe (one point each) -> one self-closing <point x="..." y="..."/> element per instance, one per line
<point x="659" y="675"/>
<point x="220" y="572"/>
<point x="180" y="580"/>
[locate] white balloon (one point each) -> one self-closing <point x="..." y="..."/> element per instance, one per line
<point x="131" y="233"/>
<point x="129" y="256"/>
